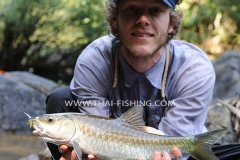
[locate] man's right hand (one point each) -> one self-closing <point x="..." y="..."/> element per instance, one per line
<point x="68" y="153"/>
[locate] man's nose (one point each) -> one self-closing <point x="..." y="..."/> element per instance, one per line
<point x="143" y="20"/>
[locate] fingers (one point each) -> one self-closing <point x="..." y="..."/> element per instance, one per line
<point x="176" y="152"/>
<point x="159" y="156"/>
<point x="166" y="156"/>
<point x="91" y="157"/>
<point x="74" y="155"/>
<point x="67" y="153"/>
<point x="63" y="148"/>
<point x="152" y="130"/>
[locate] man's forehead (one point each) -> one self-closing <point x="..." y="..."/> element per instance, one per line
<point x="169" y="3"/>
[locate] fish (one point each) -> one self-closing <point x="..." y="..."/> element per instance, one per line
<point x="123" y="138"/>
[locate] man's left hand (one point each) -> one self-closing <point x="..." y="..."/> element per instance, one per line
<point x="165" y="156"/>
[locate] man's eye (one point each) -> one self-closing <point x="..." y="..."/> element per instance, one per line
<point x="132" y="8"/>
<point x="155" y="10"/>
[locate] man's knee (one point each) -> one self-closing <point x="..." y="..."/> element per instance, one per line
<point x="55" y="102"/>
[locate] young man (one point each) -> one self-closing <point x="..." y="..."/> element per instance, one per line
<point x="139" y="63"/>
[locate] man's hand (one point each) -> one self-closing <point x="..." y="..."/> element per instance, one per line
<point x="162" y="156"/>
<point x="165" y="156"/>
<point x="68" y="153"/>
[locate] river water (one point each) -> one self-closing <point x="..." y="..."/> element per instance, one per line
<point x="14" y="147"/>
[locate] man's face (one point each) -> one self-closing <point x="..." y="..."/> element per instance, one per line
<point x="143" y="26"/>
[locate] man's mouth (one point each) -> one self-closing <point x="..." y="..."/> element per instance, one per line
<point x="142" y="34"/>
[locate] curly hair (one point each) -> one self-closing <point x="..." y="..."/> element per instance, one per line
<point x="111" y="11"/>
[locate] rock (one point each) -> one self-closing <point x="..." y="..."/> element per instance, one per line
<point x="22" y="92"/>
<point x="227" y="68"/>
<point x="36" y="82"/>
<point x="220" y="117"/>
<point x="45" y="154"/>
<point x="227" y="87"/>
<point x="31" y="157"/>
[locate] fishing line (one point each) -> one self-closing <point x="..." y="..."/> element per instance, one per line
<point x="40" y="134"/>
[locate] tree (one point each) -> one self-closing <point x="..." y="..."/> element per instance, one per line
<point x="34" y="30"/>
<point x="211" y="24"/>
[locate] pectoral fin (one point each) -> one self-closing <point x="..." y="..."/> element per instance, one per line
<point x="77" y="150"/>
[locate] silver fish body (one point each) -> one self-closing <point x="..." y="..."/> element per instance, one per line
<point x="121" y="138"/>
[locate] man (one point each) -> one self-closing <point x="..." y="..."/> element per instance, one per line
<point x="173" y="79"/>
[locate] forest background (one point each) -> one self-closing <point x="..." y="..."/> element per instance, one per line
<point x="45" y="37"/>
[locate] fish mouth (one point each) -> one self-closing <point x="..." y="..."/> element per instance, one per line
<point x="38" y="129"/>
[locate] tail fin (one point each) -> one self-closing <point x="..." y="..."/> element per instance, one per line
<point x="204" y="142"/>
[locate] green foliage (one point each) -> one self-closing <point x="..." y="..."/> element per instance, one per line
<point x="34" y="29"/>
<point x="75" y="23"/>
<point x="211" y="24"/>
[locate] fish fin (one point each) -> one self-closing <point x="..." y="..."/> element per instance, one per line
<point x="77" y="149"/>
<point x="134" y="116"/>
<point x="203" y="143"/>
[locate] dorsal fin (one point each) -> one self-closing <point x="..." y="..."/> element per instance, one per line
<point x="134" y="116"/>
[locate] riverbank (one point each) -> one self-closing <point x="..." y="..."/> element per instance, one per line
<point x="14" y="146"/>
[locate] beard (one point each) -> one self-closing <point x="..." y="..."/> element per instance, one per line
<point x="136" y="54"/>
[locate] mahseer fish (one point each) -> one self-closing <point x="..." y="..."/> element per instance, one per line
<point x="123" y="138"/>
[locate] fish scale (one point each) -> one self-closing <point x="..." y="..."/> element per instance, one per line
<point x="112" y="136"/>
<point x="122" y="138"/>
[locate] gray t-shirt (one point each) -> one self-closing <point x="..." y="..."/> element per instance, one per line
<point x="188" y="91"/>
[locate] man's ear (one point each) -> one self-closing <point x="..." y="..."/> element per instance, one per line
<point x="114" y="23"/>
<point x="170" y="28"/>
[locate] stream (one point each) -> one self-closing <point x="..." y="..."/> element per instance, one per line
<point x="14" y="146"/>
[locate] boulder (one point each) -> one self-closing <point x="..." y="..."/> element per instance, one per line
<point x="42" y="155"/>
<point x="227" y="68"/>
<point x="22" y="92"/>
<point x="36" y="82"/>
<point x="220" y="117"/>
<point x="227" y="88"/>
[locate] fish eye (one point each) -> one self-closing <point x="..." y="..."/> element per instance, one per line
<point x="50" y="119"/>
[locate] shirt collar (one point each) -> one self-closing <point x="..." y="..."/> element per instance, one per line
<point x="129" y="74"/>
<point x="154" y="75"/>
